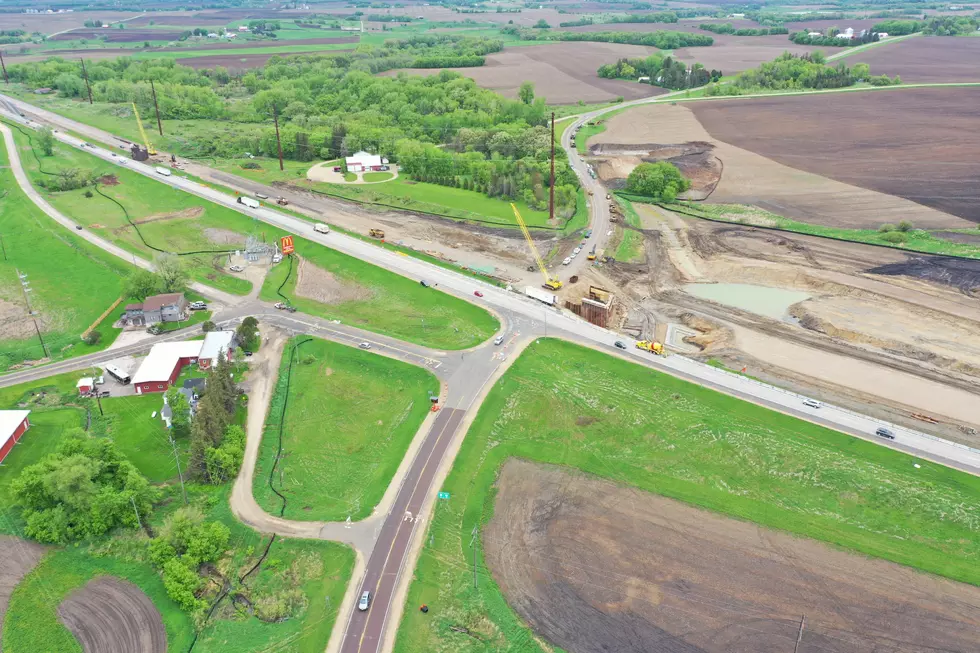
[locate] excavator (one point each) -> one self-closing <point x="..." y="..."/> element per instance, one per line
<point x="651" y="346"/>
<point x="591" y="256"/>
<point x="146" y="142"/>
<point x="550" y="282"/>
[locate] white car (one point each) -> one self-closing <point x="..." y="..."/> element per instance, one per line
<point x="576" y="250"/>
<point x="365" y="601"/>
<point x="568" y="259"/>
<point x="237" y="268"/>
<point x="812" y="403"/>
<point x="365" y="345"/>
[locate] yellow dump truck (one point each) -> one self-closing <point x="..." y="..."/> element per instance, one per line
<point x="651" y="346"/>
<point x="377" y="233"/>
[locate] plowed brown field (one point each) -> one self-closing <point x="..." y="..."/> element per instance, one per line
<point x="921" y="144"/>
<point x="592" y="566"/>
<point x="110" y="615"/>
<point x="926" y="59"/>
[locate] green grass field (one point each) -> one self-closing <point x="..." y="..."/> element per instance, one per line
<point x="564" y="404"/>
<point x="168" y="219"/>
<point x="391" y="304"/>
<point x="373" y="177"/>
<point x="72" y="282"/>
<point x="317" y="48"/>
<point x="351" y="416"/>
<point x="142" y="438"/>
<point x="630" y="249"/>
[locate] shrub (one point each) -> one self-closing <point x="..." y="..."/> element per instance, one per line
<point x="885" y="228"/>
<point x="88" y="193"/>
<point x="91" y="337"/>
<point x="251" y="165"/>
<point x="208" y="326"/>
<point x="905" y="226"/>
<point x="894" y="237"/>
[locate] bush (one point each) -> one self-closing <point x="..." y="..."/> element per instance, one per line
<point x="88" y="193"/>
<point x="885" y="228"/>
<point x="661" y="180"/>
<point x="251" y="165"/>
<point x="91" y="337"/>
<point x="894" y="237"/>
<point x="905" y="226"/>
<point x="208" y="326"/>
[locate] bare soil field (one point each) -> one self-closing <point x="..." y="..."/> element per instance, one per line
<point x="110" y="615"/>
<point x="927" y="59"/>
<point x="920" y="144"/>
<point x="319" y="285"/>
<point x="592" y="566"/>
<point x="51" y="23"/>
<point x="563" y="73"/>
<point x="116" y="35"/>
<point x="751" y="178"/>
<point x="19" y="557"/>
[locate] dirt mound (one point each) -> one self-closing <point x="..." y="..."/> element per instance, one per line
<point x="958" y="273"/>
<point x="110" y="615"/>
<point x="597" y="567"/>
<point x="322" y="286"/>
<point x="224" y="236"/>
<point x="19" y="557"/>
<point x="109" y="180"/>
<point x="695" y="160"/>
<point x="192" y="212"/>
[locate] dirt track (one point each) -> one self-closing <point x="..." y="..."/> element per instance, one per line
<point x="110" y="615"/>
<point x="596" y="567"/>
<point x="19" y="557"/>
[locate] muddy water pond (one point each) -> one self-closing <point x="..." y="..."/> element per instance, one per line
<point x="762" y="300"/>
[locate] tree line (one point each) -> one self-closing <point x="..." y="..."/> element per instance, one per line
<point x="797" y="72"/>
<point x="935" y="25"/>
<point x="831" y="38"/>
<point x="662" y="71"/>
<point x="660" y="39"/>
<point x="728" y="28"/>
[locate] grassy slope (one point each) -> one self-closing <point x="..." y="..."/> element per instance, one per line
<point x="72" y="281"/>
<point x="143" y="197"/>
<point x="396" y="306"/>
<point x="679" y="440"/>
<point x="631" y="246"/>
<point x="142" y="438"/>
<point x="342" y="442"/>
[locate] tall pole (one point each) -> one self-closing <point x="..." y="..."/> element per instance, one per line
<point x="87" y="85"/>
<point x="275" y="118"/>
<point x="98" y="398"/>
<point x="551" y="189"/>
<point x="4" y="66"/>
<point x="153" y="90"/>
<point x="136" y="510"/>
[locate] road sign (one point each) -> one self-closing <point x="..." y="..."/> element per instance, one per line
<point x="287" y="245"/>
<point x="443" y="495"/>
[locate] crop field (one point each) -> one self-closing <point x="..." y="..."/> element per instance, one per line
<point x="566" y="405"/>
<point x="344" y="288"/>
<point x="341" y="443"/>
<point x="68" y="296"/>
<point x="169" y="220"/>
<point x="926" y="59"/>
<point x="562" y="73"/>
<point x="116" y="35"/>
<point x="920" y="144"/>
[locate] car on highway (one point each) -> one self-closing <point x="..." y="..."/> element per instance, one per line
<point x="568" y="259"/>
<point x="812" y="403"/>
<point x="365" y="601"/>
<point x="620" y="344"/>
<point x="499" y="340"/>
<point x="882" y="432"/>
<point x="478" y="293"/>
<point x="365" y="345"/>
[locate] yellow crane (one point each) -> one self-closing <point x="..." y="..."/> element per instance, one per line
<point x="550" y="282"/>
<point x="146" y="141"/>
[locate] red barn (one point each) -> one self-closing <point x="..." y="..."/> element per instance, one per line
<point x="13" y="425"/>
<point x="162" y="366"/>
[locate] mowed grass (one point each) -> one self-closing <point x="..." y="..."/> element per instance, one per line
<point x="144" y="439"/>
<point x="72" y="282"/>
<point x="391" y="304"/>
<point x="563" y="404"/>
<point x="168" y="219"/>
<point x="373" y="177"/>
<point x="32" y="625"/>
<point x="350" y="417"/>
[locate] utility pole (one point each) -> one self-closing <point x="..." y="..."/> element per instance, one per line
<point x="551" y="189"/>
<point x="87" y="85"/>
<point x="30" y="311"/>
<point x="4" y="66"/>
<point x="173" y="443"/>
<point x="799" y="637"/>
<point x="153" y="89"/>
<point x="275" y="118"/>
<point x="98" y="399"/>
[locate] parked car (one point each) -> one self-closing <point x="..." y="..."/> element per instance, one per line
<point x="478" y="293"/>
<point x="882" y="432"/>
<point x="105" y="393"/>
<point x="620" y="344"/>
<point x="812" y="403"/>
<point x="236" y="268"/>
<point x="248" y="354"/>
<point x="197" y="306"/>
<point x="365" y="345"/>
<point x="499" y="340"/>
<point x="338" y="169"/>
<point x="568" y="259"/>
<point x="277" y="258"/>
<point x="365" y="601"/>
<point x="78" y="226"/>
<point x="261" y="196"/>
<point x="576" y="250"/>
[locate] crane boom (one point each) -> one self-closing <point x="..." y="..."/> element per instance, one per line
<point x="550" y="282"/>
<point x="146" y="141"/>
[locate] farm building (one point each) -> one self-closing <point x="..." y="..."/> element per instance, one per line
<point x="162" y="366"/>
<point x="85" y="385"/>
<point x="363" y="161"/>
<point x="171" y="307"/>
<point x="216" y="343"/>
<point x="13" y="425"/>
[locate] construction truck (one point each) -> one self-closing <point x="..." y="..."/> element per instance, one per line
<point x="591" y="256"/>
<point x="376" y="233"/>
<point x="651" y="346"/>
<point x="282" y="201"/>
<point x="550" y="282"/>
<point x="149" y="148"/>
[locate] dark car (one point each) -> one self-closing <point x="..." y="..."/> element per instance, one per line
<point x="882" y="432"/>
<point x="425" y="284"/>
<point x="620" y="344"/>
<point x="247" y="353"/>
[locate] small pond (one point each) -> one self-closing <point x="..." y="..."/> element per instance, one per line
<point x="762" y="300"/>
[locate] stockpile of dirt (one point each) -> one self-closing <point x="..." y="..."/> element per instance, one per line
<point x="596" y="567"/>
<point x="696" y="161"/>
<point x="110" y="615"/>
<point x="319" y="285"/>
<point x="19" y="557"/>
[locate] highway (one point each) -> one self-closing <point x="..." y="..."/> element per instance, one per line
<point x="389" y="559"/>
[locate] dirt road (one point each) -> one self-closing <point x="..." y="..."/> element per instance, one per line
<point x="597" y="567"/>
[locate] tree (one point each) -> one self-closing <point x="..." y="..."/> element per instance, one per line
<point x="661" y="180"/>
<point x="208" y="326"/>
<point x="224" y="461"/>
<point x="247" y="333"/>
<point x="861" y="71"/>
<point x="92" y="337"/>
<point x="526" y="93"/>
<point x="180" y="409"/>
<point x="140" y="284"/>
<point x="171" y="273"/>
<point x="541" y="24"/>
<point x="45" y="140"/>
<point x="181" y="583"/>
